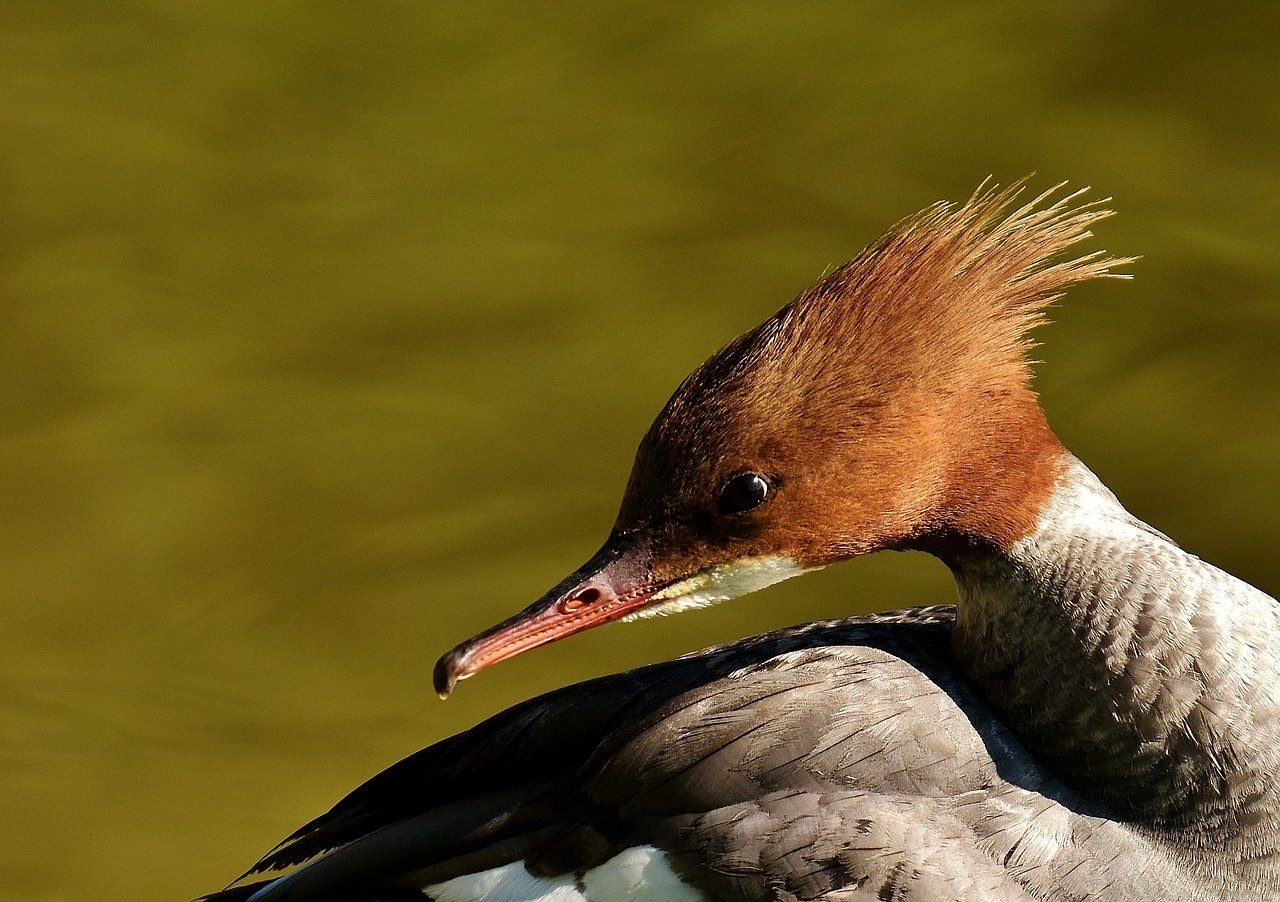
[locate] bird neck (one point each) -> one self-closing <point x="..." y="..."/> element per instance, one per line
<point x="1147" y="678"/>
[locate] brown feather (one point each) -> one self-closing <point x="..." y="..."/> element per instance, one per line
<point x="890" y="402"/>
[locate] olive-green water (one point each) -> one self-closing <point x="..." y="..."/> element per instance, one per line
<point x="327" y="329"/>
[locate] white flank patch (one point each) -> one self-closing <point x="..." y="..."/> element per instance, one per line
<point x="721" y="584"/>
<point x="642" y="874"/>
<point x="509" y="883"/>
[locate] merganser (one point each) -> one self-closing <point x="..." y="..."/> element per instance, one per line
<point x="1097" y="718"/>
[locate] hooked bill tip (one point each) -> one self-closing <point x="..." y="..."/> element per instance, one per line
<point x="445" y="676"/>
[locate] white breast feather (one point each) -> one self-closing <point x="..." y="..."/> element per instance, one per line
<point x="640" y="874"/>
<point x="509" y="883"/>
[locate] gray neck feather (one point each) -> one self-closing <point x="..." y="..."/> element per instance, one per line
<point x="1149" y="679"/>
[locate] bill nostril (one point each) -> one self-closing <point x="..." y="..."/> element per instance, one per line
<point x="580" y="598"/>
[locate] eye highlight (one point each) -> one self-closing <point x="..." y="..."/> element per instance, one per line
<point x="743" y="492"/>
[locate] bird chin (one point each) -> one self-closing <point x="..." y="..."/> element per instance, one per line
<point x="720" y="583"/>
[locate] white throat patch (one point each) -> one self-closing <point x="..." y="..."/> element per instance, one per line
<point x="721" y="584"/>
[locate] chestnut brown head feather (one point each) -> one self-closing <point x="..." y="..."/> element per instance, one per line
<point x="889" y="405"/>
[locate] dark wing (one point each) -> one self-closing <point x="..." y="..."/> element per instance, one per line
<point x="814" y="763"/>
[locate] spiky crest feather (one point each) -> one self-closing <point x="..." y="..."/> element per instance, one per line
<point x="967" y="281"/>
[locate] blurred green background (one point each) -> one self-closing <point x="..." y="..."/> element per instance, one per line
<point x="327" y="331"/>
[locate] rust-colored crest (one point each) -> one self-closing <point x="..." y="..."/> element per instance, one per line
<point x="889" y="406"/>
<point x="890" y="402"/>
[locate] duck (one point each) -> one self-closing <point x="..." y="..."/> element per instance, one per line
<point x="1096" y="717"/>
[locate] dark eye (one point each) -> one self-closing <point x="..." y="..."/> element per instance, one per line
<point x="743" y="492"/>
